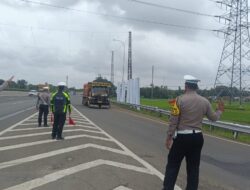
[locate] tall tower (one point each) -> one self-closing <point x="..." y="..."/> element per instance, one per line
<point x="112" y="79"/>
<point x="152" y="84"/>
<point x="130" y="55"/>
<point x="234" y="62"/>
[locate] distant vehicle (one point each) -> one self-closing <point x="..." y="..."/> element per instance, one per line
<point x="33" y="93"/>
<point x="96" y="93"/>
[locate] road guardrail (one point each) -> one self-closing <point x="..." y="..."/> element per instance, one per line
<point x="234" y="127"/>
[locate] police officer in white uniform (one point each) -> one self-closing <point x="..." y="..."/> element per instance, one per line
<point x="184" y="136"/>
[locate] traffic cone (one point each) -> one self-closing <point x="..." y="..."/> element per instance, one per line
<point x="71" y="121"/>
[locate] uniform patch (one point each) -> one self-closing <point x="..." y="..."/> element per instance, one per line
<point x="174" y="108"/>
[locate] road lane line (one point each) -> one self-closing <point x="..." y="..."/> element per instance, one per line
<point x="16" y="113"/>
<point x="227" y="140"/>
<point x="58" y="152"/>
<point x="66" y="172"/>
<point x="129" y="152"/>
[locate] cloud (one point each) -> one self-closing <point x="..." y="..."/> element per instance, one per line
<point x="45" y="44"/>
<point x="131" y="9"/>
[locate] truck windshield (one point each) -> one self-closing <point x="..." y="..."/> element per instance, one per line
<point x="99" y="91"/>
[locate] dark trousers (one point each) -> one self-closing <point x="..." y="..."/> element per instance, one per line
<point x="188" y="146"/>
<point x="43" y="112"/>
<point x="59" y="120"/>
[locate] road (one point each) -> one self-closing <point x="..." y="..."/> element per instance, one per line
<point x="107" y="149"/>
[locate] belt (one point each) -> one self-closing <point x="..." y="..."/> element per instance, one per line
<point x="187" y="131"/>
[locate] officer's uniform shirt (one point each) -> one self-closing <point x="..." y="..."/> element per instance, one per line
<point x="191" y="110"/>
<point x="68" y="103"/>
<point x="43" y="98"/>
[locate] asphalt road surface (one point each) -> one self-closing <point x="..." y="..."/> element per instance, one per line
<point x="107" y="149"/>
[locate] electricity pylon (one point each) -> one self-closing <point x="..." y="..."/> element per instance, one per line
<point x="234" y="69"/>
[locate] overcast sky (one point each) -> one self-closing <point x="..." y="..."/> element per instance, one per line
<point x="42" y="43"/>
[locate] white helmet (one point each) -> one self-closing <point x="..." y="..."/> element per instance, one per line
<point x="45" y="88"/>
<point x="61" y="84"/>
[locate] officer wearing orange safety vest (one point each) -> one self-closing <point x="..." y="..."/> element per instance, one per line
<point x="60" y="105"/>
<point x="184" y="135"/>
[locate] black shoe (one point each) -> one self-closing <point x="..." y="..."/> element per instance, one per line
<point x="39" y="125"/>
<point x="59" y="138"/>
<point x="53" y="137"/>
<point x="46" y="125"/>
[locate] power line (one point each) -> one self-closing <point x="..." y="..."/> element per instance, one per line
<point x="30" y="27"/>
<point x="118" y="17"/>
<point x="172" y="8"/>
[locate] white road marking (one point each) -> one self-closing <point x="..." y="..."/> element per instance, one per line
<point x="58" y="152"/>
<point x="29" y="123"/>
<point x="122" y="188"/>
<point x="32" y="134"/>
<point x="16" y="113"/>
<point x="129" y="152"/>
<point x="15" y="125"/>
<point x="83" y="126"/>
<point x="51" y="141"/>
<point x="66" y="172"/>
<point x="83" y="122"/>
<point x="227" y="140"/>
<point x="43" y="128"/>
<point x="76" y="117"/>
<point x="148" y="168"/>
<point x="78" y="126"/>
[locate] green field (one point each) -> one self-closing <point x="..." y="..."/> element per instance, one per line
<point x="233" y="113"/>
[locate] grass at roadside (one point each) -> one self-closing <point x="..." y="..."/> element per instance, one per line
<point x="233" y="113"/>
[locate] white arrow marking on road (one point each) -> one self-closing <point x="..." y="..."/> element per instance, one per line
<point x="57" y="152"/>
<point x="43" y="128"/>
<point x="66" y="172"/>
<point x="51" y="141"/>
<point x="45" y="133"/>
<point x="29" y="123"/>
<point x="133" y="155"/>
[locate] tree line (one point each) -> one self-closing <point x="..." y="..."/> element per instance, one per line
<point x="163" y="92"/>
<point x="158" y="92"/>
<point x="23" y="85"/>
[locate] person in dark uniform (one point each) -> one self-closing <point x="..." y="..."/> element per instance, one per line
<point x="43" y="102"/>
<point x="184" y="136"/>
<point x="60" y="105"/>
